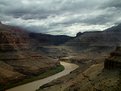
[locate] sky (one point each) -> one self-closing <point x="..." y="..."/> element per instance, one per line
<point x="61" y="17"/>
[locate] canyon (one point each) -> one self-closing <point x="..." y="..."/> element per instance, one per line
<point x="26" y="54"/>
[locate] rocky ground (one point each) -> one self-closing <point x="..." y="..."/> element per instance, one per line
<point x="90" y="76"/>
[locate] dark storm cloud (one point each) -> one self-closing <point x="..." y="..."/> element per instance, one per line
<point x="61" y="16"/>
<point x="112" y="3"/>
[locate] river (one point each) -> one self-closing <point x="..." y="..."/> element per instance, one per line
<point x="32" y="86"/>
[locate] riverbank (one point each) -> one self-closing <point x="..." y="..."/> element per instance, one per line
<point x="71" y="78"/>
<point x="32" y="86"/>
<point x="48" y="73"/>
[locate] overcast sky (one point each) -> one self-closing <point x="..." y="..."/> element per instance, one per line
<point x="61" y="16"/>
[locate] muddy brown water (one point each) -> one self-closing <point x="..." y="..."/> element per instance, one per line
<point x="32" y="86"/>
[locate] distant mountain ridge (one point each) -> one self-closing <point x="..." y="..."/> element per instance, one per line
<point x="50" y="39"/>
<point x="114" y="29"/>
<point x="96" y="40"/>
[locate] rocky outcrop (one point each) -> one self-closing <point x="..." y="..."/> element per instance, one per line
<point x="114" y="61"/>
<point x="79" y="34"/>
<point x="13" y="40"/>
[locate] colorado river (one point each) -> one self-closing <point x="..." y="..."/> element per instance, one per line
<point x="32" y="86"/>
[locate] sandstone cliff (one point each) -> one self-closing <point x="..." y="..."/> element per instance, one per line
<point x="17" y="60"/>
<point x="114" y="61"/>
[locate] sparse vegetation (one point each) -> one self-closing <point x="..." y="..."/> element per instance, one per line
<point x="33" y="78"/>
